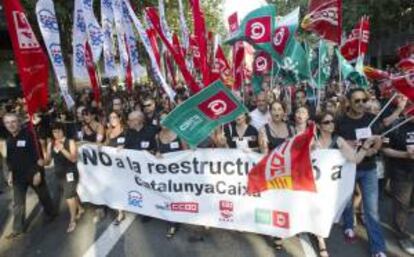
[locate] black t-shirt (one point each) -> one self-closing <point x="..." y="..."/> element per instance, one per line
<point x="233" y="139"/>
<point x="346" y="128"/>
<point x="399" y="140"/>
<point x="143" y="139"/>
<point x="22" y="156"/>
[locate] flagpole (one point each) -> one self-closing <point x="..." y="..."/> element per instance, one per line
<point x="397" y="126"/>
<point x="382" y="110"/>
<point x="319" y="77"/>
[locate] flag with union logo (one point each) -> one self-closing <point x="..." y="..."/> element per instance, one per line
<point x="196" y="118"/>
<point x="288" y="167"/>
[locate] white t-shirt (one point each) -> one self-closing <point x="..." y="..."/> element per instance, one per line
<point x="258" y="119"/>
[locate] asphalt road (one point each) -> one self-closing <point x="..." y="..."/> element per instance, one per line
<point x="135" y="238"/>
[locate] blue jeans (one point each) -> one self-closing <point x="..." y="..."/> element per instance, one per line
<point x="368" y="183"/>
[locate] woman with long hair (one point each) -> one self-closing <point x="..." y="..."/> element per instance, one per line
<point x="64" y="154"/>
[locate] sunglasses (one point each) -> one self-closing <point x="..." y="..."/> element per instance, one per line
<point x="327" y="122"/>
<point x="358" y="101"/>
<point x="146" y="105"/>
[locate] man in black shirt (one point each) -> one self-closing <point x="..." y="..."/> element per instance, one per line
<point x="354" y="127"/>
<point x="401" y="153"/>
<point x="140" y="136"/>
<point x="23" y="161"/>
<point x="149" y="109"/>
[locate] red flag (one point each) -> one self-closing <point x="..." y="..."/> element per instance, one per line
<point x="406" y="51"/>
<point x="375" y="74"/>
<point x="179" y="59"/>
<point x="262" y="63"/>
<point x="221" y="69"/>
<point x="406" y="64"/>
<point x="325" y="19"/>
<point x="128" y="76"/>
<point x="92" y="73"/>
<point x="154" y="45"/>
<point x="405" y="84"/>
<point x="357" y="42"/>
<point x="201" y="39"/>
<point x="238" y="53"/>
<point x="32" y="62"/>
<point x="170" y="69"/>
<point x="195" y="50"/>
<point x="287" y="167"/>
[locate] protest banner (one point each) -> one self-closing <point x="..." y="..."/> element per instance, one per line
<point x="208" y="187"/>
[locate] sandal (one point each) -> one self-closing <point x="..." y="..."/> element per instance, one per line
<point x="79" y="214"/>
<point x="171" y="232"/>
<point x="71" y="227"/>
<point x="323" y="252"/>
<point x="278" y="243"/>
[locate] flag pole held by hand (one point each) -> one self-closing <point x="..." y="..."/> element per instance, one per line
<point x="397" y="126"/>
<point x="382" y="110"/>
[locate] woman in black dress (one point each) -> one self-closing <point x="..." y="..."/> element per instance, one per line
<point x="167" y="142"/>
<point x="240" y="134"/>
<point x="64" y="154"/>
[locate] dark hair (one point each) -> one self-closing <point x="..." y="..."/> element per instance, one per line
<point x="320" y="116"/>
<point x="58" y="126"/>
<point x="353" y="91"/>
<point x="305" y="107"/>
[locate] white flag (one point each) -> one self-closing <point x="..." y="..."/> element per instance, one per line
<point x="94" y="31"/>
<point x="120" y="34"/>
<point x="79" y="37"/>
<point x="145" y="40"/>
<point x="109" y="51"/>
<point x="185" y="35"/>
<point x="46" y="17"/>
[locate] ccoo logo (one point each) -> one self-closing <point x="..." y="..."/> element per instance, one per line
<point x="217" y="105"/>
<point x="280" y="39"/>
<point x="259" y="30"/>
<point x="48" y="20"/>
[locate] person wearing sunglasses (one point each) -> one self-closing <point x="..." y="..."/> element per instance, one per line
<point x="326" y="138"/>
<point x="353" y="126"/>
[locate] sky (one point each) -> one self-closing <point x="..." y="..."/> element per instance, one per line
<point x="242" y="7"/>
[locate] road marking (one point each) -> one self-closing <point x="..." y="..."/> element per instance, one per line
<point x="109" y="238"/>
<point x="307" y="246"/>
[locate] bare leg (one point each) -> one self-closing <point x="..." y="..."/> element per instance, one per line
<point x="73" y="207"/>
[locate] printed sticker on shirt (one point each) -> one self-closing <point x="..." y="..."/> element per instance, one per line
<point x="120" y="140"/>
<point x="80" y="134"/>
<point x="410" y="138"/>
<point x="174" y="145"/>
<point x="154" y="122"/>
<point x="21" y="143"/>
<point x="70" y="177"/>
<point x="363" y="133"/>
<point x="242" y="143"/>
<point x="144" y="144"/>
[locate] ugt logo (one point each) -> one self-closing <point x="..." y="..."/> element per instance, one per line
<point x="135" y="199"/>
<point x="25" y="35"/>
<point x="259" y="29"/>
<point x="217" y="106"/>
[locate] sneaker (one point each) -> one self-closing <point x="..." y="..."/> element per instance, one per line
<point x="350" y="236"/>
<point x="379" y="254"/>
<point x="407" y="246"/>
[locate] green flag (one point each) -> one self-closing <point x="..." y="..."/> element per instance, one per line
<point x="196" y="118"/>
<point x="348" y="71"/>
<point x="256" y="27"/>
<point x="324" y="65"/>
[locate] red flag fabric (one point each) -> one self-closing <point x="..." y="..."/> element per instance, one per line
<point x="233" y="23"/>
<point x="92" y="73"/>
<point x="405" y="85"/>
<point x="406" y="64"/>
<point x="287" y="167"/>
<point x="375" y="74"/>
<point x="406" y="51"/>
<point x="154" y="45"/>
<point x="170" y="69"/>
<point x="128" y="76"/>
<point x="201" y="39"/>
<point x="195" y="51"/>
<point x="324" y="18"/>
<point x="262" y="63"/>
<point x="357" y="42"/>
<point x="32" y="62"/>
<point x="179" y="59"/>
<point x="238" y="53"/>
<point x="221" y="68"/>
